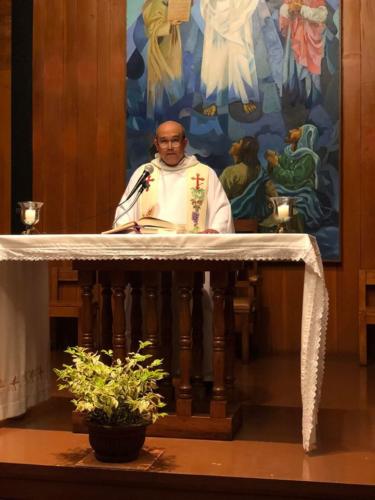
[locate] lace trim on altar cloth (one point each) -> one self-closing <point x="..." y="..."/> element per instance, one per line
<point x="172" y="257"/>
<point x="313" y="345"/>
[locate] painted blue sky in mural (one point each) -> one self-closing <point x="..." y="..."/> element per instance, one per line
<point x="259" y="110"/>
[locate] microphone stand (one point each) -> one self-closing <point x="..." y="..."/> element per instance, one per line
<point x="125" y="210"/>
<point x="146" y="173"/>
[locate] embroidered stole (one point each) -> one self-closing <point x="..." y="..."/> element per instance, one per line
<point x="196" y="180"/>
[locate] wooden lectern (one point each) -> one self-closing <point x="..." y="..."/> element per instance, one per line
<point x="184" y="395"/>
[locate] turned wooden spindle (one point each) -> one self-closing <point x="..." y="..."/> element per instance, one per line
<point x="136" y="309"/>
<point x="119" y="322"/>
<point x="218" y="407"/>
<point x="150" y="312"/>
<point x="106" y="316"/>
<point x="197" y="329"/>
<point x="184" y="288"/>
<point x="87" y="281"/>
<point x="229" y="332"/>
<point x="166" y="324"/>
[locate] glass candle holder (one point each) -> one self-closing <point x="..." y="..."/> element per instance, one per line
<point x="30" y="215"/>
<point x="283" y="210"/>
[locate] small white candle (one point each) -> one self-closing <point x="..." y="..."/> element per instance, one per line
<point x="30" y="216"/>
<point x="283" y="211"/>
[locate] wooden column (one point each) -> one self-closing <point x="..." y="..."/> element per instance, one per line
<point x="118" y="282"/>
<point x="136" y="310"/>
<point x="87" y="281"/>
<point x="229" y="332"/>
<point x="150" y="312"/>
<point x="197" y="334"/>
<point x="106" y="310"/>
<point x="166" y="336"/>
<point x="218" y="408"/>
<point x="184" y="288"/>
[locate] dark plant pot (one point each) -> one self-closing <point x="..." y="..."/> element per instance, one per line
<point x="116" y="443"/>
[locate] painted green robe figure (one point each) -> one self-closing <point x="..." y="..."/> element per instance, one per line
<point x="295" y="172"/>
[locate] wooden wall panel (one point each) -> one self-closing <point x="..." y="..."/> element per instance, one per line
<point x="79" y="102"/>
<point x="70" y="117"/>
<point x="282" y="286"/>
<point x="5" y="115"/>
<point x="88" y="98"/>
<point x="367" y="77"/>
<point x="346" y="312"/>
<point x="79" y="130"/>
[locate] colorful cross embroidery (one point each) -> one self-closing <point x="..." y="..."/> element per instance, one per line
<point x="197" y="198"/>
<point x="197" y="178"/>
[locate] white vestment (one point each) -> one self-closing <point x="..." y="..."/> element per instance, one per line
<point x="228" y="62"/>
<point x="172" y="205"/>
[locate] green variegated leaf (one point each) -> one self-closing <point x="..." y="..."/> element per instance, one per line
<point x="121" y="393"/>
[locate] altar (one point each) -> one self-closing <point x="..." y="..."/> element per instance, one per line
<point x="24" y="372"/>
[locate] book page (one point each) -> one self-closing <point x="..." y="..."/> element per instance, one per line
<point x="155" y="222"/>
<point x="124" y="228"/>
<point x="179" y="10"/>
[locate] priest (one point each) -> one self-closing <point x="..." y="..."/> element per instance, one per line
<point x="180" y="189"/>
<point x="186" y="192"/>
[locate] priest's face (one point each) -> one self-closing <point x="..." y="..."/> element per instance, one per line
<point x="170" y="142"/>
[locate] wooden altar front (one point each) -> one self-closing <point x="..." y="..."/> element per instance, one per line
<point x="151" y="319"/>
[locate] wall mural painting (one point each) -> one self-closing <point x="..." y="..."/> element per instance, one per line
<point x="256" y="83"/>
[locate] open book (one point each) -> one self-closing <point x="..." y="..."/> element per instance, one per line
<point x="147" y="225"/>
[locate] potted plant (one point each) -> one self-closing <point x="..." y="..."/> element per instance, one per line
<point x="118" y="399"/>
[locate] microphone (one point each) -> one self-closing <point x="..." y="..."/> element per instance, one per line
<point x="146" y="172"/>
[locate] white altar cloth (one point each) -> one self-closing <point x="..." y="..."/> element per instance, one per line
<point x="262" y="247"/>
<point x="24" y="337"/>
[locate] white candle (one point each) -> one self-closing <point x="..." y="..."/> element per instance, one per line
<point x="30" y="216"/>
<point x="283" y="211"/>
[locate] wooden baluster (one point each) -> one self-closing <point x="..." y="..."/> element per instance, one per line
<point x="218" y="407"/>
<point x="184" y="399"/>
<point x="119" y="322"/>
<point x="136" y="310"/>
<point x="229" y="332"/>
<point x="197" y="331"/>
<point x="106" y="313"/>
<point x="150" y="312"/>
<point x="87" y="281"/>
<point x="166" y="317"/>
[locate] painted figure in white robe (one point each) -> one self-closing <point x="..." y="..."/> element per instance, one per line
<point x="229" y="69"/>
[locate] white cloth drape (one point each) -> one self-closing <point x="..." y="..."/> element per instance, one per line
<point x="24" y="336"/>
<point x="15" y="296"/>
<point x="172" y="203"/>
